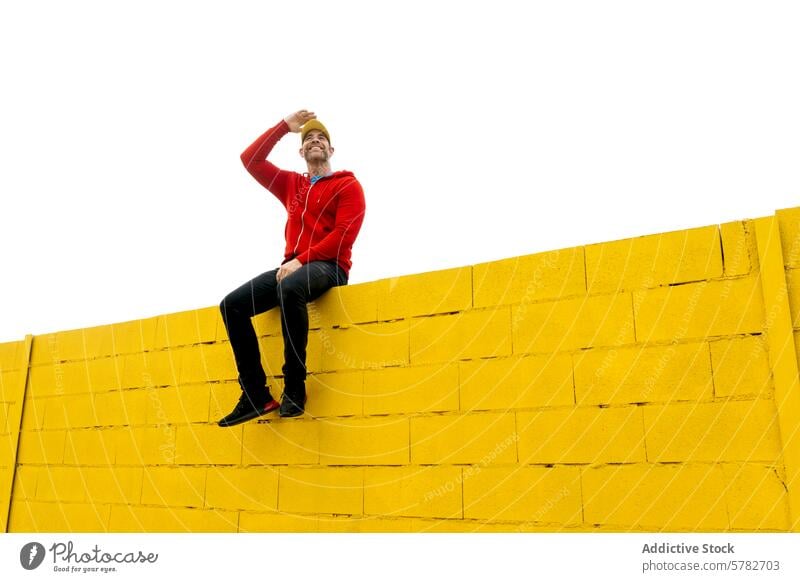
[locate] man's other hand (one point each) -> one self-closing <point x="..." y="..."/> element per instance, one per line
<point x="287" y="269"/>
<point x="297" y="120"/>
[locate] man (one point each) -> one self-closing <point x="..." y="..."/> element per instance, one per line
<point x="325" y="212"/>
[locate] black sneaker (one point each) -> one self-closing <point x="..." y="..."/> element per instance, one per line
<point x="290" y="408"/>
<point x="245" y="410"/>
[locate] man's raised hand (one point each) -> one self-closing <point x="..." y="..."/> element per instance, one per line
<point x="298" y="119"/>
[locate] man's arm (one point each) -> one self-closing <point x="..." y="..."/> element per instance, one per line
<point x="266" y="173"/>
<point x="255" y="161"/>
<point x="349" y="217"/>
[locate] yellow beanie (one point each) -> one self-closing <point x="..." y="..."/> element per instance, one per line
<point x="313" y="124"/>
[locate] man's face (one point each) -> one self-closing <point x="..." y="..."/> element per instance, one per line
<point x="315" y="147"/>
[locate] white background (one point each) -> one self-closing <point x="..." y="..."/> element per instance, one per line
<point x="388" y="557"/>
<point x="478" y="130"/>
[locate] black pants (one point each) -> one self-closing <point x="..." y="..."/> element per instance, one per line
<point x="262" y="294"/>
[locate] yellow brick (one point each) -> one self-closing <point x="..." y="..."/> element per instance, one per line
<point x="789" y="221"/>
<point x="174" y="486"/>
<point x="66" y="484"/>
<point x="150" y="369"/>
<point x="187" y="327"/>
<point x="205" y="363"/>
<point x="76" y="344"/>
<point x="705" y="309"/>
<point x="462" y="439"/>
<point x="6" y="481"/>
<point x="161" y="368"/>
<point x="104" y="374"/>
<point x="413" y="491"/>
<point x="192" y="366"/>
<point x="265" y="324"/>
<point x="281" y="443"/>
<point x="373" y="441"/>
<point x="5" y="410"/>
<point x="7" y="450"/>
<point x="417" y="389"/>
<point x="12" y="417"/>
<point x="272" y="353"/>
<point x="313" y="352"/>
<point x="99" y="341"/>
<point x="58" y="347"/>
<point x="338" y="394"/>
<point x="6" y="478"/>
<point x="32" y="516"/>
<point x="516" y="382"/>
<point x="75" y="377"/>
<point x="43" y="349"/>
<point x="42" y="447"/>
<point x="135" y="336"/>
<point x="12" y="385"/>
<point x="756" y="497"/>
<point x="20" y="516"/>
<point x="793" y="289"/>
<point x="549" y="275"/>
<point x="218" y="361"/>
<point x="145" y="446"/>
<point x="208" y="445"/>
<point x="655" y="497"/>
<point x="253" y="488"/>
<point x="649" y="261"/>
<point x="11" y="355"/>
<point x="472" y="334"/>
<point x="271" y="348"/>
<point x="726" y="431"/>
<point x="345" y="305"/>
<point x="70" y="412"/>
<point x="177" y="404"/>
<point x="570" y="324"/>
<point x="321" y="490"/>
<point x="752" y="245"/>
<point x="121" y="407"/>
<point x="530" y="494"/>
<point x="277" y="522"/>
<point x="90" y="446"/>
<point x="33" y="413"/>
<point x="126" y="518"/>
<point x="112" y="484"/>
<point x="375" y="345"/>
<point x="737" y="239"/>
<point x="444" y="291"/>
<point x="581" y="435"/>
<point x="210" y="322"/>
<point x="643" y="374"/>
<point x="796" y="336"/>
<point x="25" y="480"/>
<point x="741" y="367"/>
<point x="59" y="379"/>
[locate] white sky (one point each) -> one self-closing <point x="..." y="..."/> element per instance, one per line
<point x="478" y="130"/>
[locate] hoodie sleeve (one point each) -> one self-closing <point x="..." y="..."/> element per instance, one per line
<point x="266" y="173"/>
<point x="349" y="216"/>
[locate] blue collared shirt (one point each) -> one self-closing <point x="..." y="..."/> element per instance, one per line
<point x="315" y="178"/>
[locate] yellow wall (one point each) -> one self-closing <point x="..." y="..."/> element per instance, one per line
<point x="647" y="384"/>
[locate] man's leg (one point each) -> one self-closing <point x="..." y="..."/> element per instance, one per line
<point x="238" y="307"/>
<point x="294" y="292"/>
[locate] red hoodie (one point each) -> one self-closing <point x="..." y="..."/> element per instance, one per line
<point x="324" y="219"/>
